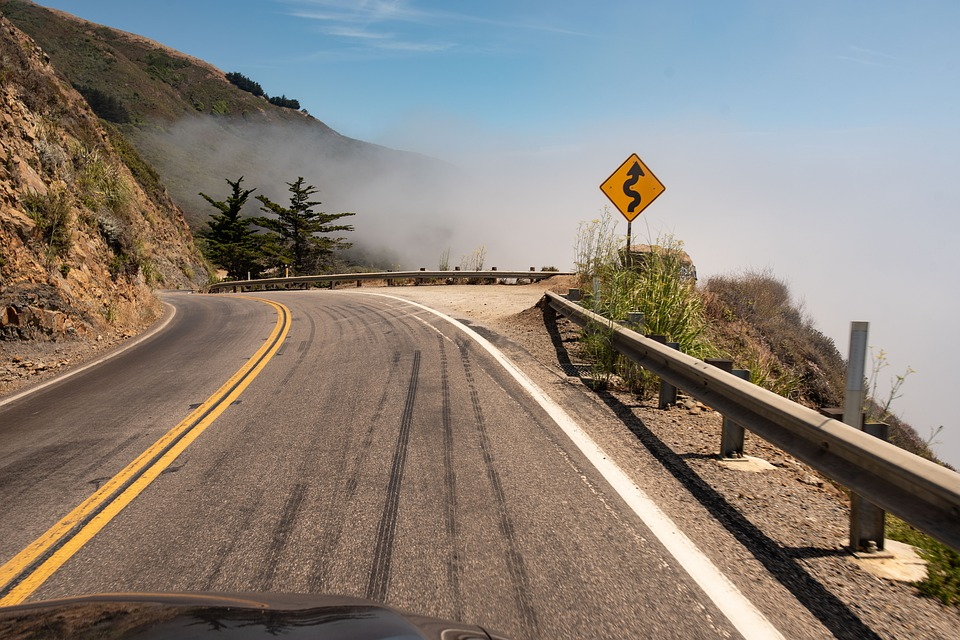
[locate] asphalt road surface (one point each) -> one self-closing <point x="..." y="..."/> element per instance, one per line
<point x="334" y="443"/>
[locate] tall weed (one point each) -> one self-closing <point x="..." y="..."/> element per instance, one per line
<point x="51" y="213"/>
<point x="659" y="287"/>
<point x="101" y="183"/>
<point x="596" y="251"/>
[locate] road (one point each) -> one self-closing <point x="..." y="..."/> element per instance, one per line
<point x="361" y="446"/>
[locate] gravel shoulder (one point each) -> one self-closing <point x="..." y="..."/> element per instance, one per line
<point x="777" y="534"/>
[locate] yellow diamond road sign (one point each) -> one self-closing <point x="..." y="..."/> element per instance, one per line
<point x="632" y="187"/>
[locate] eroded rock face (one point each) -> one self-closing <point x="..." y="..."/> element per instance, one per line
<point x="82" y="244"/>
<point x="36" y="313"/>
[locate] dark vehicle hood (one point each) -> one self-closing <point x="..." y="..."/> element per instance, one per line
<point x="146" y="616"/>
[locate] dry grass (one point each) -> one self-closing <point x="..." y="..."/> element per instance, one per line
<point x="754" y="320"/>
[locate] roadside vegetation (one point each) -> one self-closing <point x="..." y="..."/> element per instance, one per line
<point x="246" y="84"/>
<point x="750" y="318"/>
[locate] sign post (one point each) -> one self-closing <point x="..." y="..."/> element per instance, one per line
<point x="631" y="189"/>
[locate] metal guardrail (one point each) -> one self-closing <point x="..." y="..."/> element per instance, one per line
<point x="920" y="492"/>
<point x="493" y="274"/>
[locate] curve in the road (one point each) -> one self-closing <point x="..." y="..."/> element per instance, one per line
<point x="30" y="568"/>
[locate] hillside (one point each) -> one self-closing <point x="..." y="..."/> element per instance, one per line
<point x="86" y="231"/>
<point x="196" y="128"/>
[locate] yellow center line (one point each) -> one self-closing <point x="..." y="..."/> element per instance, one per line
<point x="57" y="545"/>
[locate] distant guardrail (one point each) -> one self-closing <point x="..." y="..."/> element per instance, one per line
<point x="422" y="275"/>
<point x="920" y="492"/>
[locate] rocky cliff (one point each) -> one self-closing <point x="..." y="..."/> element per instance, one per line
<point x="83" y="243"/>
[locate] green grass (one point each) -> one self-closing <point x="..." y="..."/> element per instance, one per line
<point x="943" y="570"/>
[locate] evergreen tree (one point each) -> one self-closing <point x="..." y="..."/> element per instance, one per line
<point x="295" y="230"/>
<point x="230" y="243"/>
<point x="243" y="82"/>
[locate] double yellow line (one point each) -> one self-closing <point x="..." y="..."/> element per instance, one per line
<point x="25" y="572"/>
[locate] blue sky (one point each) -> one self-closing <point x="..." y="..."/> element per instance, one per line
<point x="817" y="140"/>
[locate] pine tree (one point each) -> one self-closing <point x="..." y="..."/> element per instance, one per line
<point x="296" y="228"/>
<point x="230" y="243"/>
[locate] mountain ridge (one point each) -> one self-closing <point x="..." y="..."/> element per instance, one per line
<point x="197" y="129"/>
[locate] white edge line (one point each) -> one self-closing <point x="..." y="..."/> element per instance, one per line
<point x="172" y="311"/>
<point x="741" y="613"/>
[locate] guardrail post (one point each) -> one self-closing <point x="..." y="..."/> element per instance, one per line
<point x="732" y="434"/>
<point x="635" y="321"/>
<point x="573" y="295"/>
<point x="725" y="365"/>
<point x="668" y="392"/>
<point x="866" y="519"/>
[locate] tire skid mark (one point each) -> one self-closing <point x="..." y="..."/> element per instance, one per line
<point x="44" y="462"/>
<point x="109" y="455"/>
<point x="301" y="350"/>
<point x="248" y="512"/>
<point x="515" y="564"/>
<point x="386" y="532"/>
<point x="331" y="535"/>
<point x="454" y="568"/>
<point x="281" y="534"/>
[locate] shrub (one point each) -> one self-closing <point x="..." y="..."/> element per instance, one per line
<point x="755" y="322"/>
<point x="243" y="82"/>
<point x="100" y="182"/>
<point x="51" y="213"/>
<point x="285" y="102"/>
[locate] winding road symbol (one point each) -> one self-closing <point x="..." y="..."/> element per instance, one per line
<point x="632" y="187"/>
<point x="635" y="174"/>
